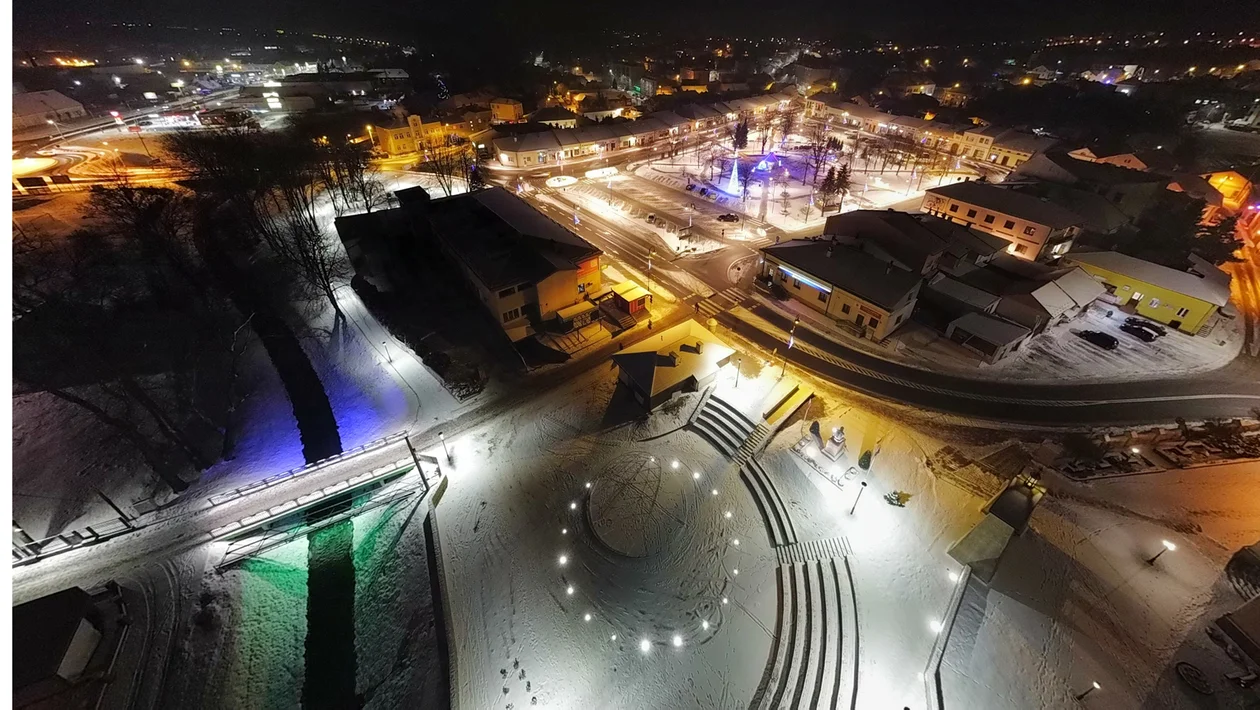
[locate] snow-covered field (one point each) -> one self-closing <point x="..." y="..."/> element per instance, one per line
<point x="1074" y="601"/>
<point x="648" y="553"/>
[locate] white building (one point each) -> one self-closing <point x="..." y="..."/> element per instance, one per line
<point x="36" y="108"/>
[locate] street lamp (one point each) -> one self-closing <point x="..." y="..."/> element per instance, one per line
<point x="857" y="498"/>
<point x="56" y="125"/>
<point x="1168" y="545"/>
<point x="738" y="361"/>
<point x="444" y="449"/>
<point x="791" y="342"/>
<point x="1092" y="687"/>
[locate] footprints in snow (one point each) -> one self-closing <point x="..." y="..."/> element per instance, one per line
<point x="520" y="675"/>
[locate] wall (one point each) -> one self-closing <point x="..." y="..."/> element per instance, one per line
<point x="833" y="304"/>
<point x="1032" y="236"/>
<point x="1168" y="301"/>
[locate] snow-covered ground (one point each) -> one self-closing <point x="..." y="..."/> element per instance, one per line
<point x="1053" y="356"/>
<point x="871" y="188"/>
<point x="1075" y="602"/>
<point x="520" y="529"/>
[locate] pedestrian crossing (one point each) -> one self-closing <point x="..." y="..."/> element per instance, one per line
<point x="719" y="302"/>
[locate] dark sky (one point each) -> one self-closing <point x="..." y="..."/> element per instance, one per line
<point x="537" y="22"/>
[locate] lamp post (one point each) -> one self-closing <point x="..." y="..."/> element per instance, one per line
<point x="56" y="125"/>
<point x="1092" y="687"/>
<point x="1167" y="546"/>
<point x="791" y="342"/>
<point x="445" y="450"/>
<point x="738" y="361"/>
<point x="857" y="498"/>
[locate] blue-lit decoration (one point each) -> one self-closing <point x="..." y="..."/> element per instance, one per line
<point x="769" y="162"/>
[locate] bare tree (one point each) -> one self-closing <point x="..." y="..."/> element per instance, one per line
<point x="766" y="123"/>
<point x="448" y="159"/>
<point x="787" y="123"/>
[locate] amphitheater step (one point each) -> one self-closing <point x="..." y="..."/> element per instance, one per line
<point x="715" y="434"/>
<point x="814" y="652"/>
<point x="775" y="500"/>
<point x="773" y="517"/>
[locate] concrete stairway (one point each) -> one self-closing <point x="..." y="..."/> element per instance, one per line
<point x="814" y="656"/>
<point x="723" y="425"/>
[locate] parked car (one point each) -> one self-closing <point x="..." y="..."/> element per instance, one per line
<point x="704" y="191"/>
<point x="691" y="187"/>
<point x="651" y="217"/>
<point x="1143" y="323"/>
<point x="1139" y="332"/>
<point x="728" y="217"/>
<point x="1102" y="340"/>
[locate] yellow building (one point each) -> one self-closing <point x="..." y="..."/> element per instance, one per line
<point x="406" y="135"/>
<point x="1180" y="299"/>
<point x="527" y="269"/>
<point x="843" y="283"/>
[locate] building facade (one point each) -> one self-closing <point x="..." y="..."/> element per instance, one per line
<point x="843" y="283"/>
<point x="1036" y="229"/>
<point x="1179" y="299"/>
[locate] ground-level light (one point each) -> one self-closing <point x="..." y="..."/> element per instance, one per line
<point x="1092" y="687"/>
<point x="678" y="641"/>
<point x="936" y="626"/>
<point x="727" y="515"/>
<point x="645" y="646"/>
<point x="564" y="560"/>
<point x="569" y="590"/>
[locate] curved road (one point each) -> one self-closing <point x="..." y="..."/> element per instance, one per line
<point x="1229" y="392"/>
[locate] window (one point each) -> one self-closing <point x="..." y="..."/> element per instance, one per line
<point x="1183" y="312"/>
<point x="874" y="324"/>
<point x="1008" y="224"/>
<point x="1154" y="302"/>
<point x="898" y="321"/>
<point x="971" y="213"/>
<point x="1029" y="230"/>
<point x="796" y="283"/>
<point x="844" y="309"/>
<point x="1021" y="248"/>
<point x="988" y="219"/>
<point x="953" y="208"/>
<point x="507" y="292"/>
<point x="509" y="316"/>
<point x="822" y="296"/>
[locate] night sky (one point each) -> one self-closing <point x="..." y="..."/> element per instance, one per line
<point x="537" y="22"/>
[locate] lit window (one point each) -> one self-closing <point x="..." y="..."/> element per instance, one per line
<point x="1183" y="312"/>
<point x="1029" y="230"/>
<point x="1008" y="224"/>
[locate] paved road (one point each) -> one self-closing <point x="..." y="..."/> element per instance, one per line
<point x="1229" y="392"/>
<point x="1232" y="391"/>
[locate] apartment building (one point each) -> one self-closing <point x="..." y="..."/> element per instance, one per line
<point x="1035" y="228"/>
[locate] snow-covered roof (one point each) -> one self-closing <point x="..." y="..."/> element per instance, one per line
<point x="963" y="293"/>
<point x="659" y="363"/>
<point x="38" y="103"/>
<point x="1084" y="289"/>
<point x="1209" y="290"/>
<point x="991" y="330"/>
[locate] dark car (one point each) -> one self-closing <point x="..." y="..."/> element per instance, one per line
<point x="1143" y="323"/>
<point x="1102" y="340"/>
<point x="691" y="187"/>
<point x="1139" y="332"/>
<point x="728" y="217"/>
